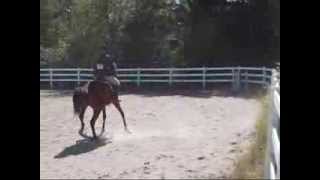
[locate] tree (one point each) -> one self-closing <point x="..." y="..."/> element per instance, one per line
<point x="158" y="33"/>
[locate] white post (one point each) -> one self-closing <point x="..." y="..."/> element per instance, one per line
<point x="78" y="75"/>
<point x="264" y="76"/>
<point x="277" y="120"/>
<point x="170" y="76"/>
<point x="138" y="77"/>
<point x="277" y="76"/>
<point x="246" y="80"/>
<point x="236" y="79"/>
<point x="50" y="76"/>
<point x="233" y="79"/>
<point x="203" y="77"/>
<point x="273" y="80"/>
<point x="239" y="78"/>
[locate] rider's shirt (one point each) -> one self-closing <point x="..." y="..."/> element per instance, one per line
<point x="105" y="69"/>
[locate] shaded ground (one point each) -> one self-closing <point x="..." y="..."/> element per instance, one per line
<point x="176" y="134"/>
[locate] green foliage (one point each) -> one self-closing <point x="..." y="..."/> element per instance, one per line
<point x="87" y="27"/>
<point x="251" y="164"/>
<point x="141" y="32"/>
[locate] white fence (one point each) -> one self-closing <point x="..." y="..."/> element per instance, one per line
<point x="272" y="163"/>
<point x="204" y="75"/>
<point x="236" y="76"/>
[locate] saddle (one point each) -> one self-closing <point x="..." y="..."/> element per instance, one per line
<point x="113" y="88"/>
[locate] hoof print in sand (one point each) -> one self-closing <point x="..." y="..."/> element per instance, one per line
<point x="232" y="151"/>
<point x="190" y="171"/>
<point x="180" y="166"/>
<point x="233" y="143"/>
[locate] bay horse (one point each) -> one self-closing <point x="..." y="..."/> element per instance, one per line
<point x="97" y="95"/>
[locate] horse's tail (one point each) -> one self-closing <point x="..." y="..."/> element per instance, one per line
<point x="78" y="101"/>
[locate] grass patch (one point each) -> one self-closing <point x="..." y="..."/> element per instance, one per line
<point x="251" y="164"/>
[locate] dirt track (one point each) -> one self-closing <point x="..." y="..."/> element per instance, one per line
<point x="186" y="135"/>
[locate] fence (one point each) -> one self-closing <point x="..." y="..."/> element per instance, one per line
<point x="272" y="163"/>
<point x="237" y="76"/>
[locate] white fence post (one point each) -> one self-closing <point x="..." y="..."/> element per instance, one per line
<point x="138" y="77"/>
<point x="50" y="76"/>
<point x="246" y="77"/>
<point x="272" y="157"/>
<point x="170" y="76"/>
<point x="78" y="75"/>
<point x="239" y="78"/>
<point x="236" y="79"/>
<point x="233" y="79"/>
<point x="264" y="76"/>
<point x="204" y="78"/>
<point x="274" y="78"/>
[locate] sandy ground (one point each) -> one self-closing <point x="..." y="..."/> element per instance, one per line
<point x="173" y="136"/>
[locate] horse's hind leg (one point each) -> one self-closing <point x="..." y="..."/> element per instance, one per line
<point x="95" y="116"/>
<point x="81" y="117"/>
<point x="117" y="105"/>
<point x="104" y="116"/>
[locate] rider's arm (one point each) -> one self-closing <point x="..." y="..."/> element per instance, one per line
<point x="114" y="68"/>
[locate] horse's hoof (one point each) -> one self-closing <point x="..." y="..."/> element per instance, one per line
<point x="128" y="131"/>
<point x="80" y="133"/>
<point x="94" y="138"/>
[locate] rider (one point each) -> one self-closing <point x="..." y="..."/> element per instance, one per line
<point x="106" y="71"/>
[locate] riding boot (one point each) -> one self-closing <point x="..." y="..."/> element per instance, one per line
<point x="116" y="92"/>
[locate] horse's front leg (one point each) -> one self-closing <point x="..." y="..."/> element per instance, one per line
<point x="95" y="116"/>
<point x="81" y="117"/>
<point x="104" y="116"/>
<point x="117" y="105"/>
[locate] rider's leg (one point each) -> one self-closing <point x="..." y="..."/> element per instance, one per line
<point x="115" y="85"/>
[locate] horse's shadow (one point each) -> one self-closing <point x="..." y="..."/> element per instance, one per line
<point x="82" y="146"/>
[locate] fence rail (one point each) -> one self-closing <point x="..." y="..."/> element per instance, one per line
<point x="201" y="75"/>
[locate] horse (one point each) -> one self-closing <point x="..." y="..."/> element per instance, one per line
<point x="97" y="95"/>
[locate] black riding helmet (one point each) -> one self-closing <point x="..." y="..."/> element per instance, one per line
<point x="109" y="64"/>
